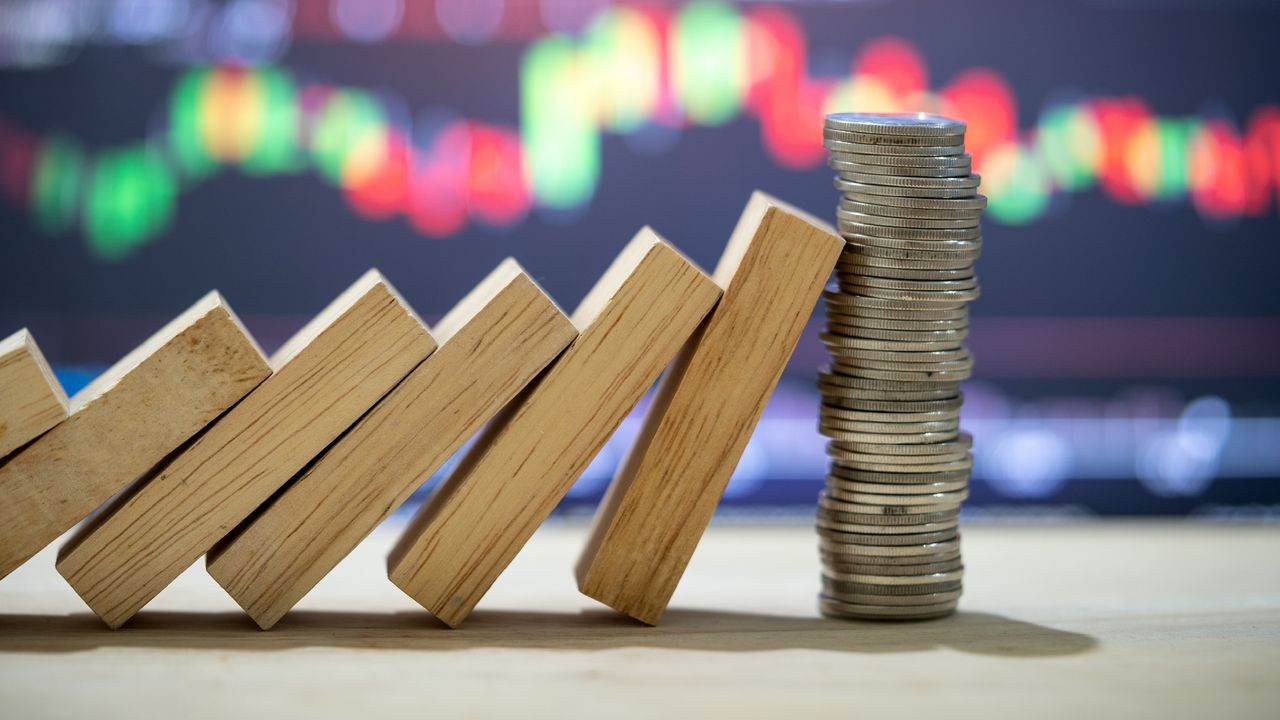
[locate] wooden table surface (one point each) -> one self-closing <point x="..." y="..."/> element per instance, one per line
<point x="1076" y="620"/>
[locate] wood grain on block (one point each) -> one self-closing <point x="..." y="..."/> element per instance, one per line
<point x="492" y="344"/>
<point x="325" y="378"/>
<point x="630" y="326"/>
<point x="707" y="405"/>
<point x="31" y="398"/>
<point x="126" y="421"/>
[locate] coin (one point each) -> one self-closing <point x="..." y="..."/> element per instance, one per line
<point x="898" y="161"/>
<point x="914" y="124"/>
<point x="853" y="204"/>
<point x="860" y="170"/>
<point x="835" y="608"/>
<point x="882" y="530"/>
<point x="891" y="143"/>
<point x="898" y="477"/>
<point x="941" y="548"/>
<point x="897" y="540"/>
<point x="839" y="145"/>
<point x="889" y="428"/>
<point x="935" y="193"/>
<point x="855" y="219"/>
<point x="967" y="204"/>
<point x="947" y="499"/>
<point x="968" y="182"/>
<point x="889" y="416"/>
<point x="906" y="406"/>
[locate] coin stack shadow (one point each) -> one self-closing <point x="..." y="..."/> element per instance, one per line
<point x="896" y="322"/>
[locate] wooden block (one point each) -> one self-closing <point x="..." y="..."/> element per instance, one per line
<point x="630" y="325"/>
<point x="124" y="422"/>
<point x="667" y="488"/>
<point x="31" y="398"/>
<point x="325" y="378"/>
<point x="492" y="344"/>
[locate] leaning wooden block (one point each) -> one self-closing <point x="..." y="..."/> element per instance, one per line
<point x="124" y="422"/>
<point x="706" y="407"/>
<point x="492" y="344"/>
<point x="325" y="378"/>
<point x="31" y="398"/>
<point x="631" y="324"/>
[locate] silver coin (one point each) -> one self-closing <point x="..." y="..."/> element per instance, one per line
<point x="840" y="452"/>
<point x="851" y="187"/>
<point x="913" y="124"/>
<point x="879" y="529"/>
<point x="841" y="341"/>
<point x="893" y="142"/>
<point x="876" y="231"/>
<point x="872" y="323"/>
<point x="857" y="219"/>
<point x="851" y="147"/>
<point x="888" y="428"/>
<point x="858" y="170"/>
<point x="838" y="589"/>
<point x="901" y="475"/>
<point x="900" y="161"/>
<point x="901" y="541"/>
<point x="916" y="376"/>
<point x="841" y="303"/>
<point x="840" y="366"/>
<point x="847" y="415"/>
<point x="946" y="547"/>
<point x="968" y="182"/>
<point x="969" y="204"/>
<point x="855" y="260"/>
<point x="907" y="599"/>
<point x="855" y="365"/>
<point x="905" y="273"/>
<point x="945" y="297"/>
<point x="840" y="566"/>
<point x="835" y="609"/>
<point x="899" y="406"/>
<point x="842" y="435"/>
<point x="918" y="358"/>
<point x="860" y="462"/>
<point x="944" y="499"/>
<point x="952" y="446"/>
<point x="904" y="491"/>
<point x="956" y="335"/>
<point x="901" y="513"/>
<point x="897" y="580"/>
<point x="871" y="208"/>
<point x="968" y="283"/>
<point x="874" y="385"/>
<point x="839" y="556"/>
<point x="966" y="253"/>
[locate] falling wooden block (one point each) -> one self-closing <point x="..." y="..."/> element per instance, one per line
<point x="665" y="491"/>
<point x="124" y="422"/>
<point x="31" y="398"/>
<point x="492" y="344"/>
<point x="630" y="325"/>
<point x="325" y="378"/>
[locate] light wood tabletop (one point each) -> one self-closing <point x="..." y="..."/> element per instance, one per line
<point x="1069" y="620"/>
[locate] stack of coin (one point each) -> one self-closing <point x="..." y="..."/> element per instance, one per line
<point x="896" y="323"/>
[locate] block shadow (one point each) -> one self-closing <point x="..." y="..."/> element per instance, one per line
<point x="589" y="630"/>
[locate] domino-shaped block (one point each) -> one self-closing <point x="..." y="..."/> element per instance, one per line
<point x="666" y="490"/>
<point x="325" y="378"/>
<point x="31" y="398"/>
<point x="125" y="422"/>
<point x="492" y="344"/>
<point x="630" y="326"/>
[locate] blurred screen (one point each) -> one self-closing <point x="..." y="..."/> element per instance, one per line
<point x="1128" y="336"/>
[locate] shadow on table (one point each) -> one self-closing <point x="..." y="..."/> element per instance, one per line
<point x="971" y="632"/>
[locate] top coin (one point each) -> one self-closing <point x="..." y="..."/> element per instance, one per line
<point x="918" y="124"/>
